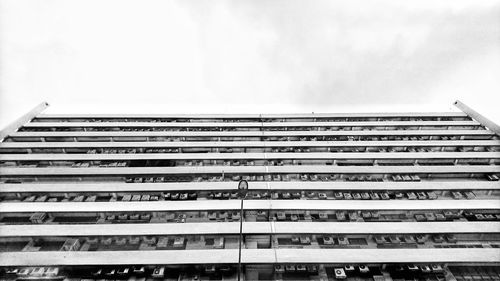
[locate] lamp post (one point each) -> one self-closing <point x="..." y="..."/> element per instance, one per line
<point x="242" y="190"/>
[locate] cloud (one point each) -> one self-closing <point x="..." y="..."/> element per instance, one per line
<point x="333" y="52"/>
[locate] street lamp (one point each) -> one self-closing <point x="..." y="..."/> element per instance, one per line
<point x="242" y="190"/>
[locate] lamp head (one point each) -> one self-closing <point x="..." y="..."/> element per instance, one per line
<point x="243" y="188"/>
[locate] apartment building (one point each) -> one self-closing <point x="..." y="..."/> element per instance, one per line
<point x="358" y="196"/>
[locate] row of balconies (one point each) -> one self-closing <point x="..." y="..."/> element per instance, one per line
<point x="287" y="162"/>
<point x="232" y="216"/>
<point x="253" y="195"/>
<point x="254" y="178"/>
<point x="279" y="241"/>
<point x="347" y="137"/>
<point x="248" y="129"/>
<point x="302" y="149"/>
<point x="243" y="120"/>
<point x="360" y="272"/>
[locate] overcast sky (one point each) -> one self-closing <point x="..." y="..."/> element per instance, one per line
<point x="248" y="56"/>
